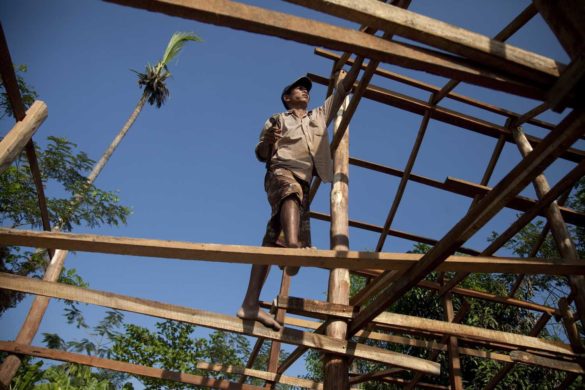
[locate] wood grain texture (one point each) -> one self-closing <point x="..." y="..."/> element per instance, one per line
<point x="213" y="320"/>
<point x="241" y="254"/>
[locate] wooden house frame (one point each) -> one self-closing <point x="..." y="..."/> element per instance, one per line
<point x="471" y="58"/>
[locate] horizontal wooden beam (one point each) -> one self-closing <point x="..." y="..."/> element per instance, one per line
<point x="562" y="137"/>
<point x="455" y="186"/>
<point x="435" y="89"/>
<point x="408" y="341"/>
<point x="262" y="21"/>
<point x="520" y="203"/>
<point x="441" y="35"/>
<point x="17" y="138"/>
<point x="452" y="117"/>
<point x="322" y="309"/>
<point x="115" y="365"/>
<point x="279" y="256"/>
<point x="214" y="321"/>
<point x="412" y="323"/>
<point x="555" y="364"/>
<point x="265" y="375"/>
<point x="391" y="232"/>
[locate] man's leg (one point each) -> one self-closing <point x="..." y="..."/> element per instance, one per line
<point x="290" y="221"/>
<point x="290" y="217"/>
<point x="250" y="309"/>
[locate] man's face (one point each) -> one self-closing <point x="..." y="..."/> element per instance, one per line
<point x="297" y="96"/>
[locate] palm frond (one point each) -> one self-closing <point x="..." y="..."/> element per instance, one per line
<point x="175" y="45"/>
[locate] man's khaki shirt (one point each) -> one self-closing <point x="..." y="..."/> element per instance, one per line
<point x="304" y="145"/>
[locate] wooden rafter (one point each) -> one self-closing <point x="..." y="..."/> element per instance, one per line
<point x="557" y="141"/>
<point x="212" y="320"/>
<point x="259" y="20"/>
<point x="435" y="33"/>
<point x="278" y="256"/>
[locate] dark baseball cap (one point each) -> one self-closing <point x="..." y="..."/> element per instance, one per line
<point x="304" y="81"/>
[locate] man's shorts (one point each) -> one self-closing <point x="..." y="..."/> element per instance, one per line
<point x="279" y="184"/>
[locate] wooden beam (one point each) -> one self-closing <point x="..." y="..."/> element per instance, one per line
<point x="404" y="179"/>
<point x="562" y="237"/>
<point x="401" y="321"/>
<point x="274" y="353"/>
<point x="336" y="367"/>
<point x="391" y="232"/>
<point x="417" y="106"/>
<point x="565" y="184"/>
<point x="314" y="307"/>
<point x="570" y="326"/>
<point x="455" y="374"/>
<point x="267" y="376"/>
<point x="278" y="256"/>
<point x="252" y="357"/>
<point x="432" y="32"/>
<point x="555" y="364"/>
<point x="565" y="18"/>
<point x="467" y="292"/>
<point x="408" y="341"/>
<point x="115" y="365"/>
<point x="212" y="320"/>
<point x="259" y="20"/>
<point x="554" y="144"/>
<point x="520" y="203"/>
<point x="17" y="138"/>
<point x="506" y="368"/>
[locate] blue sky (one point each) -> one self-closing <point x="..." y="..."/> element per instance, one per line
<point x="188" y="170"/>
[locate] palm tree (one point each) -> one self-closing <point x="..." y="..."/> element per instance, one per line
<point x="155" y="91"/>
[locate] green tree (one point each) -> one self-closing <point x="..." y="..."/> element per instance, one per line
<point x="33" y="375"/>
<point x="173" y="347"/>
<point x="476" y="371"/>
<point x="63" y="171"/>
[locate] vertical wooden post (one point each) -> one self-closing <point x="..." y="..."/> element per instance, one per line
<point x="274" y="356"/>
<point x="337" y="367"/>
<point x="452" y="347"/>
<point x="563" y="239"/>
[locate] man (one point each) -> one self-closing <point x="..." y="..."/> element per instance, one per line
<point x="295" y="146"/>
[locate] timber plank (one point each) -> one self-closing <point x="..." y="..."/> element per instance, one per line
<point x="568" y="131"/>
<point x="262" y="21"/>
<point x="279" y="256"/>
<point x="563" y="365"/>
<point x="212" y="320"/>
<point x="119" y="366"/>
<point x="413" y="342"/>
<point x="452" y="117"/>
<point x="17" y="138"/>
<point x="268" y="376"/>
<point x="438" y="34"/>
<point x="520" y="203"/>
<point x="471" y="332"/>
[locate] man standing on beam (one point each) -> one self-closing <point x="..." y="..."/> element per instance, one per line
<point x="295" y="147"/>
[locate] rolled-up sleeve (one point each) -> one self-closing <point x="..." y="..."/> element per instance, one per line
<point x="333" y="102"/>
<point x="262" y="141"/>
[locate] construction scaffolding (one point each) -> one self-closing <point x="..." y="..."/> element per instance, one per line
<point x="462" y="56"/>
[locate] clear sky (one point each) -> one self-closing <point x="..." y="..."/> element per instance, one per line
<point x="188" y="170"/>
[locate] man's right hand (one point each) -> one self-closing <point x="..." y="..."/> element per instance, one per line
<point x="273" y="135"/>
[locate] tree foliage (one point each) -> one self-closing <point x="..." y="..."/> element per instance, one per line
<point x="27" y="93"/>
<point x="173" y="346"/>
<point x="63" y="173"/>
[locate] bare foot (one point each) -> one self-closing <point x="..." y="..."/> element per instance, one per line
<point x="260" y="316"/>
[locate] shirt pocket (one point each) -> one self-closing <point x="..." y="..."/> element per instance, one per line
<point x="316" y="127"/>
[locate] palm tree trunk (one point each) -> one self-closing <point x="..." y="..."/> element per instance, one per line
<point x="108" y="153"/>
<point x="33" y="319"/>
